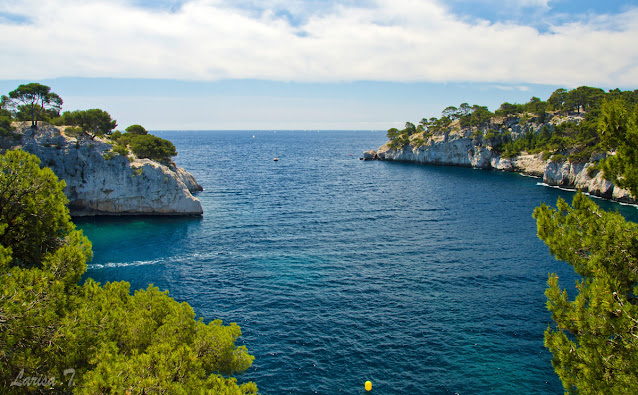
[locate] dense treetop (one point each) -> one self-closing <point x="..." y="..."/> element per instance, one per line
<point x="34" y="101"/>
<point x="114" y="342"/>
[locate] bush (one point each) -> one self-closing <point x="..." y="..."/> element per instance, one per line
<point x="120" y="150"/>
<point x="6" y="130"/>
<point x="136" y="130"/>
<point x="152" y="147"/>
<point x="72" y="131"/>
<point x="115" y="135"/>
<point x="559" y="158"/>
<point x="418" y="142"/>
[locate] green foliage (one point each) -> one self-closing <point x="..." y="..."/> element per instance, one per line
<point x="6" y="107"/>
<point x="558" y="158"/>
<point x="136" y="129"/>
<point x="148" y="341"/>
<point x="451" y="112"/>
<point x="619" y="128"/>
<point x="34" y="101"/>
<point x="24" y="113"/>
<point x="145" y="145"/>
<point x="557" y="100"/>
<point x="575" y="141"/>
<point x="507" y="109"/>
<point x="585" y="98"/>
<point x="399" y="138"/>
<point x="120" y="150"/>
<point x="6" y="130"/>
<point x="73" y="131"/>
<point x="593" y="342"/>
<point x="477" y="135"/>
<point x="115" y="341"/>
<point x="32" y="205"/>
<point x="115" y="135"/>
<point x="94" y="122"/>
<point x="152" y="147"/>
<point x="467" y="115"/>
<point x="418" y="142"/>
<point x="410" y="129"/>
<point x="475" y="116"/>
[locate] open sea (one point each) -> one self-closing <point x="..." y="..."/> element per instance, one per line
<point x="421" y="279"/>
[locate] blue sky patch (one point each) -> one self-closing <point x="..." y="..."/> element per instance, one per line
<point x="536" y="13"/>
<point x="8" y="18"/>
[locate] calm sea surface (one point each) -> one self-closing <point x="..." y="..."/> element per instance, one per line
<point x="421" y="279"/>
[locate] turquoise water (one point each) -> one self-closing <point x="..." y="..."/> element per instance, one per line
<point x="420" y="279"/>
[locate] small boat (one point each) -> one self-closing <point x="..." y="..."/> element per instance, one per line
<point x="276" y="159"/>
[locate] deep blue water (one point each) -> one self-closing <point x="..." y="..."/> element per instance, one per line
<point x="421" y="279"/>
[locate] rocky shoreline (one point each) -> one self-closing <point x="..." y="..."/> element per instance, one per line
<point x="101" y="182"/>
<point x="458" y="147"/>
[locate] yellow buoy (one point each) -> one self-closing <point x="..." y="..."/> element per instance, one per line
<point x="368" y="385"/>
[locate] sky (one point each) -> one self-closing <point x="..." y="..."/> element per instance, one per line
<point x="316" y="64"/>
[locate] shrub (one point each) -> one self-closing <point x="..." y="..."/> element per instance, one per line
<point x="559" y="158"/>
<point x="136" y="130"/>
<point x="418" y="142"/>
<point x="152" y="147"/>
<point x="115" y="135"/>
<point x="6" y="130"/>
<point x="73" y="131"/>
<point x="120" y="150"/>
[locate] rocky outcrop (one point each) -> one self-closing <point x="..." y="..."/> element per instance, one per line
<point x="370" y="155"/>
<point x="461" y="147"/>
<point x="101" y="182"/>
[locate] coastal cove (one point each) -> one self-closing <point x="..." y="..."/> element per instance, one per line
<point x="422" y="279"/>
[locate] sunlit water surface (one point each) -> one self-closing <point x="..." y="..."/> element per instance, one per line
<point x="421" y="279"/>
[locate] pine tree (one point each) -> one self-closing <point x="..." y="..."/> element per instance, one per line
<point x="111" y="341"/>
<point x="619" y="129"/>
<point x="595" y="338"/>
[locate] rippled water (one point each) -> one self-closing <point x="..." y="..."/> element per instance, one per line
<point x="420" y="279"/>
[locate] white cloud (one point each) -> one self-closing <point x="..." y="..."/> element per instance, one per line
<point x="390" y="40"/>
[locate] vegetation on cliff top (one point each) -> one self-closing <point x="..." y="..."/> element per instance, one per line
<point x="56" y="334"/>
<point x="567" y="124"/>
<point x="36" y="103"/>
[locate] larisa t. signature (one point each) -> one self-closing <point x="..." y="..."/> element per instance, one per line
<point x="40" y="381"/>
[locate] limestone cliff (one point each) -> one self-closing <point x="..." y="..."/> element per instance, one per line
<point x="462" y="147"/>
<point x="101" y="182"/>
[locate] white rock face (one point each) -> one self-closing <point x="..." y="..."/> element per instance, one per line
<point x="453" y="148"/>
<point x="459" y="148"/>
<point x="96" y="185"/>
